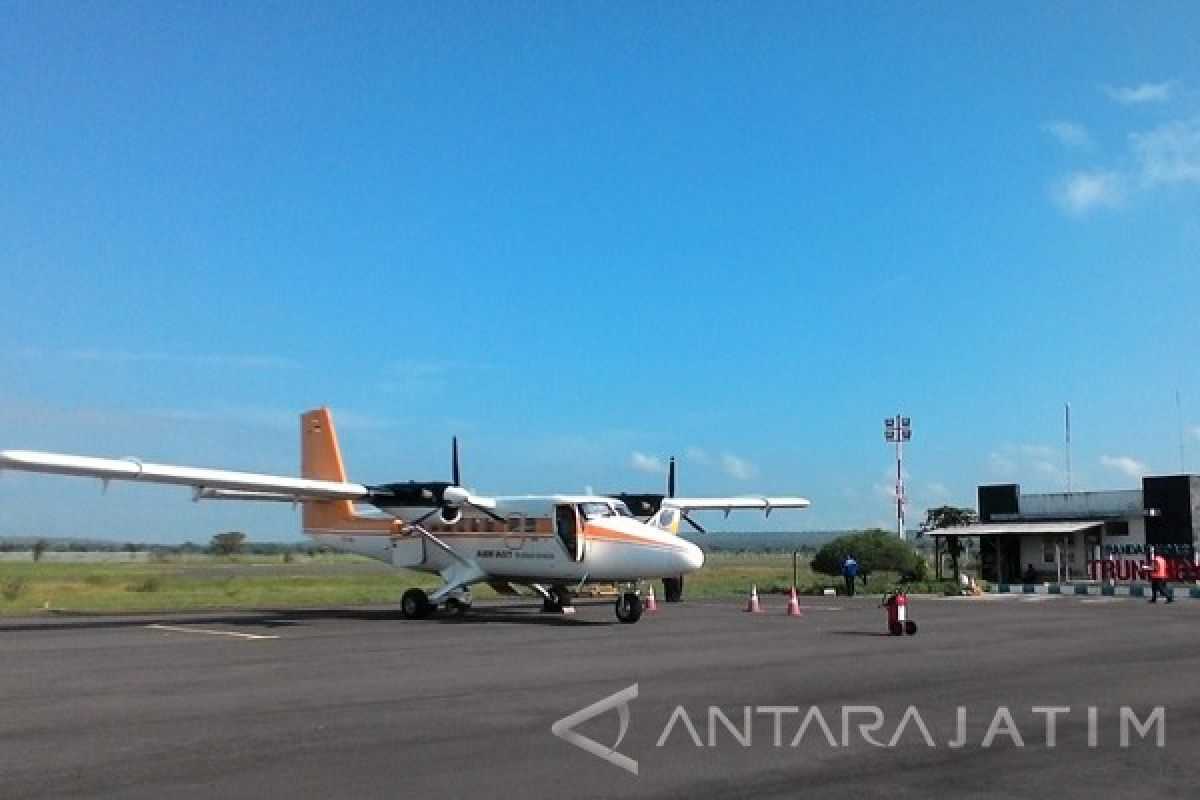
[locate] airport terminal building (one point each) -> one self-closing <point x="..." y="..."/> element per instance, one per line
<point x="1085" y="536"/>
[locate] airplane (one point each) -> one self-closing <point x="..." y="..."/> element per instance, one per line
<point x="545" y="542"/>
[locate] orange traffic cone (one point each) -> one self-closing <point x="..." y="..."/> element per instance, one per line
<point x="651" y="604"/>
<point x="753" y="606"/>
<point x="794" y="605"/>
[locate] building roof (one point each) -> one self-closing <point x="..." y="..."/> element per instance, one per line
<point x="1017" y="528"/>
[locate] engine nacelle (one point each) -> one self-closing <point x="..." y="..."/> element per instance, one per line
<point x="449" y="515"/>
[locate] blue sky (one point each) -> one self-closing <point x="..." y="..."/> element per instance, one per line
<point x="585" y="237"/>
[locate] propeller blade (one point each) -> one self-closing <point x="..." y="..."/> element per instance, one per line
<point x="456" y="475"/>
<point x="671" y="478"/>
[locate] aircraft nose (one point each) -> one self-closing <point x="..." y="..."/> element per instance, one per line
<point x="693" y="556"/>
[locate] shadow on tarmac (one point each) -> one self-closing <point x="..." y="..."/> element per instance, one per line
<point x="513" y="615"/>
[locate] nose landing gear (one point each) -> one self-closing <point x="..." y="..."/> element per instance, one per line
<point x="629" y="607"/>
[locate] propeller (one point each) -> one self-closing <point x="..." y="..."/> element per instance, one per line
<point x="464" y="497"/>
<point x="648" y="505"/>
<point x="448" y="498"/>
<point x="671" y="493"/>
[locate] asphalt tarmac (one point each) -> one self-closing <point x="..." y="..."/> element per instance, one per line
<point x="994" y="697"/>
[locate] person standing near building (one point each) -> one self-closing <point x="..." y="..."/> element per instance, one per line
<point x="1158" y="577"/>
<point x="849" y="573"/>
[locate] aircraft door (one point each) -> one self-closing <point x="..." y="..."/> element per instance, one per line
<point x="570" y="532"/>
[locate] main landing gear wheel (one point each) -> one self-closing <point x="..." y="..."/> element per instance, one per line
<point x="629" y="607"/>
<point x="415" y="604"/>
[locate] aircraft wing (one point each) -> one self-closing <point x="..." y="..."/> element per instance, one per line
<point x="728" y="504"/>
<point x="206" y="482"/>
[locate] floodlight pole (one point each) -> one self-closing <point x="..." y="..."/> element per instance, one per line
<point x="898" y="429"/>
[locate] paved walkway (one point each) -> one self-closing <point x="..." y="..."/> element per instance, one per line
<point x="1178" y="592"/>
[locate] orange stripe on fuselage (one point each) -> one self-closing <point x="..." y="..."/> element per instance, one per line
<point x="597" y="532"/>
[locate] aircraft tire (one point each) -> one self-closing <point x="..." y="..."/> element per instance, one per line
<point x="896" y="629"/>
<point x="414" y="604"/>
<point x="629" y="607"/>
<point x="910" y="627"/>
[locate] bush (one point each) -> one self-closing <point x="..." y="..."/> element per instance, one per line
<point x="13" y="588"/>
<point x="150" y="584"/>
<point x="876" y="551"/>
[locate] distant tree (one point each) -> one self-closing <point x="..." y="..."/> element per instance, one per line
<point x="875" y="550"/>
<point x="950" y="517"/>
<point x="228" y="544"/>
<point x="132" y="547"/>
<point x="39" y="549"/>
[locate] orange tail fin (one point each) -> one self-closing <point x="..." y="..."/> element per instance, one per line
<point x="321" y="459"/>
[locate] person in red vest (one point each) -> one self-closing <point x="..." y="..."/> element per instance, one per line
<point x="1158" y="577"/>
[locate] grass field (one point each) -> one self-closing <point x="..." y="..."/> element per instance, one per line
<point x="210" y="582"/>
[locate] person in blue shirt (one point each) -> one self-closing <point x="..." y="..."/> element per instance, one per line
<point x="850" y="572"/>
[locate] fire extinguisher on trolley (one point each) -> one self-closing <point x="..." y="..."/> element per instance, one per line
<point x="896" y="603"/>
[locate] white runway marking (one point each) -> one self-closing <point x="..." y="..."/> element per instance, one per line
<point x="210" y="632"/>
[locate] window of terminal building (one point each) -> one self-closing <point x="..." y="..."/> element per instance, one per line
<point x="1116" y="527"/>
<point x="1052" y="545"/>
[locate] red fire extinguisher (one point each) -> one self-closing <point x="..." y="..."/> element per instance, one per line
<point x="897" y="614"/>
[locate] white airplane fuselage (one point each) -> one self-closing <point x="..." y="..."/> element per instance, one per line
<point x="528" y="544"/>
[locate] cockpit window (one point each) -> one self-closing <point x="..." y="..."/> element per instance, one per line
<point x="596" y="510"/>
<point x="666" y="519"/>
<point x="622" y="509"/>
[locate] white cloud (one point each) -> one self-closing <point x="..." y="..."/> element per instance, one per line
<point x="884" y="490"/>
<point x="700" y="456"/>
<point x="1070" y="135"/>
<point x="1014" y="461"/>
<point x="1050" y="470"/>
<point x="1082" y="192"/>
<point x="1126" y="465"/>
<point x="1001" y="465"/>
<point x="737" y="467"/>
<point x="1035" y="451"/>
<point x="732" y="465"/>
<point x="936" y="491"/>
<point x="1168" y="154"/>
<point x="644" y="463"/>
<point x="1138" y="95"/>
